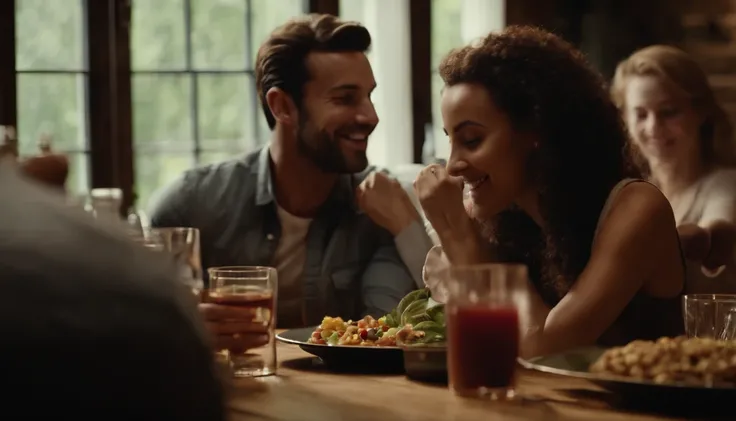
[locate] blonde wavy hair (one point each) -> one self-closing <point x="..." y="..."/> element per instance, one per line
<point x="687" y="79"/>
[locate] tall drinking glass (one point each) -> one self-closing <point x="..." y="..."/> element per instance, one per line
<point x="252" y="288"/>
<point x="710" y="316"/>
<point x="483" y="328"/>
<point x="182" y="244"/>
<point x="106" y="203"/>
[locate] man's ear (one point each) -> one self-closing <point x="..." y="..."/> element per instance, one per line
<point x="282" y="107"/>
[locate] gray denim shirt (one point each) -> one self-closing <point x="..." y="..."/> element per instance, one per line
<point x="352" y="266"/>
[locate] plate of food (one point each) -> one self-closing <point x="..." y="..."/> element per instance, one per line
<point x="418" y="321"/>
<point x="668" y="371"/>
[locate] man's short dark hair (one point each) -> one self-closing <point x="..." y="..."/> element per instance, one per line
<point x="281" y="60"/>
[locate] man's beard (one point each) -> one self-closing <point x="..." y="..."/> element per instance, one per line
<point x="325" y="152"/>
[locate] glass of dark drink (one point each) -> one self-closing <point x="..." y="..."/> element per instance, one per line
<point x="251" y="291"/>
<point x="483" y="328"/>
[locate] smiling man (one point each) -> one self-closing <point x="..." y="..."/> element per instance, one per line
<point x="291" y="205"/>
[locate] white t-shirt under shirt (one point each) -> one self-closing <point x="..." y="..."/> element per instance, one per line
<point x="289" y="259"/>
<point x="711" y="198"/>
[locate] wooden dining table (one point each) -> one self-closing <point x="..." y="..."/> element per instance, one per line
<point x="304" y="389"/>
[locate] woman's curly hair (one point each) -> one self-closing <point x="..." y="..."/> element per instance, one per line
<point x="547" y="87"/>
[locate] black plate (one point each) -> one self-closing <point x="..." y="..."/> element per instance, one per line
<point x="575" y="363"/>
<point x="347" y="358"/>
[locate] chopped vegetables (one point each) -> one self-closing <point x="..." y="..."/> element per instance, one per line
<point x="333" y="339"/>
<point x="416" y="320"/>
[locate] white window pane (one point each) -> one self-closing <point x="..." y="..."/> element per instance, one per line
<point x="265" y="16"/>
<point x="52" y="104"/>
<point x="49" y="35"/>
<point x="158" y="39"/>
<point x="219" y="34"/>
<point x="155" y="170"/>
<point x="226" y="115"/>
<point x="446" y="33"/>
<point x="162" y="118"/>
<point x="445" y="29"/>
<point x="354" y="10"/>
<point x="215" y="157"/>
<point x="77" y="182"/>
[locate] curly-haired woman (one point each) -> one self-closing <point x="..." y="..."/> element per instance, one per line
<point x="543" y="150"/>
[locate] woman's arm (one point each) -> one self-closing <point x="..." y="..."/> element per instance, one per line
<point x="388" y="205"/>
<point x="718" y="219"/>
<point x="413" y="243"/>
<point x="636" y="248"/>
<point x="722" y="235"/>
<point x="713" y="245"/>
<point x="695" y="242"/>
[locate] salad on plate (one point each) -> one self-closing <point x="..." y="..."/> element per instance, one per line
<point x="417" y="320"/>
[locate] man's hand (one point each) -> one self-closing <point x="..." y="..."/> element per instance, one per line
<point x="695" y="242"/>
<point x="713" y="246"/>
<point x="233" y="328"/>
<point x="386" y="203"/>
<point x="722" y="244"/>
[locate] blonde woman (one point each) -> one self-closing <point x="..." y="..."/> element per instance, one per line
<point x="684" y="140"/>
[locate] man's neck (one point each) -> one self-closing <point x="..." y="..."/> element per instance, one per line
<point x="301" y="188"/>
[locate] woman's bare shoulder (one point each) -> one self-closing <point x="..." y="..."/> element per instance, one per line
<point x="640" y="203"/>
<point x="641" y="218"/>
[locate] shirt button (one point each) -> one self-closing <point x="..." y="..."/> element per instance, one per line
<point x="270" y="237"/>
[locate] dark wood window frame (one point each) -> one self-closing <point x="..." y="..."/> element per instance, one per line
<point x="421" y="71"/>
<point x="8" y="93"/>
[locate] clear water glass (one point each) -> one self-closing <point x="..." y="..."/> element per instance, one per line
<point x="710" y="316"/>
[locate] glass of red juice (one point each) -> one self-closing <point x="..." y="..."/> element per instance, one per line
<point x="483" y="328"/>
<point x="249" y="295"/>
